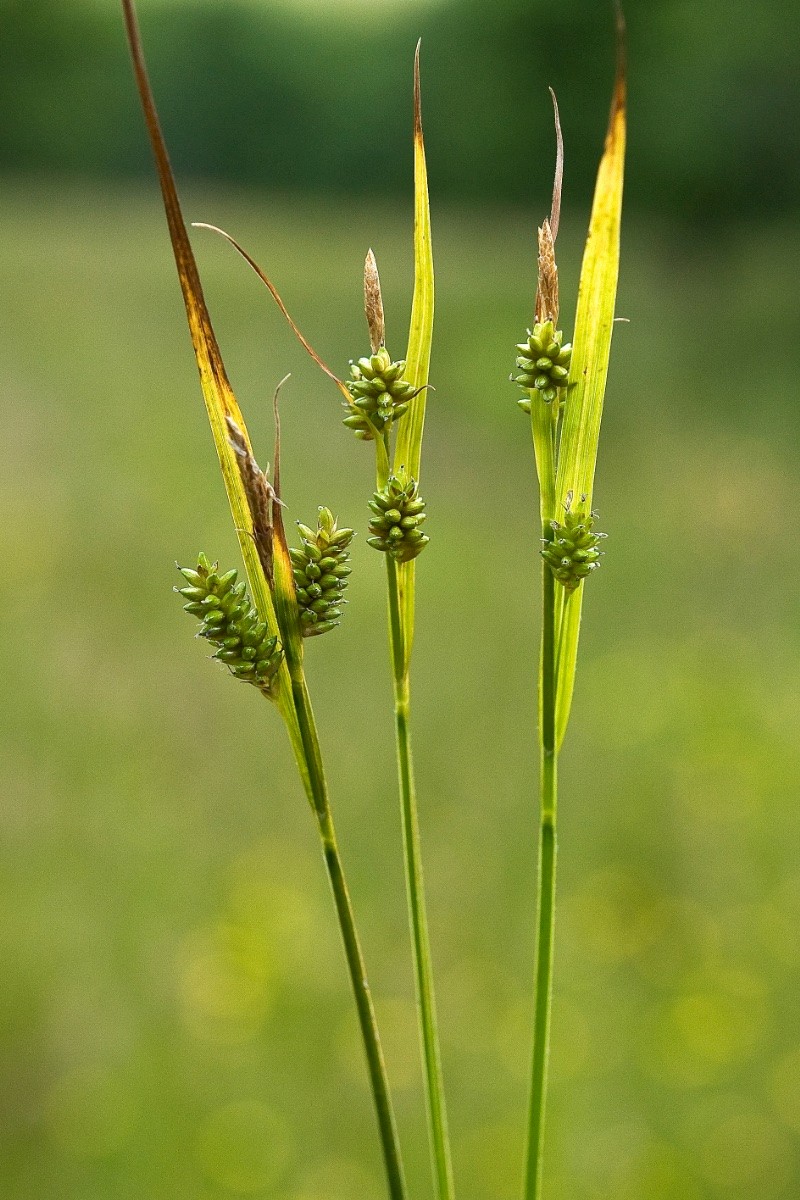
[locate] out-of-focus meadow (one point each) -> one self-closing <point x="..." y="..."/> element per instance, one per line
<point x="177" y="1021"/>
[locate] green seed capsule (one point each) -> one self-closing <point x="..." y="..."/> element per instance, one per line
<point x="398" y="510"/>
<point x="543" y="364"/>
<point x="229" y="622"/>
<point x="378" y="394"/>
<point x="572" y="553"/>
<point x="320" y="572"/>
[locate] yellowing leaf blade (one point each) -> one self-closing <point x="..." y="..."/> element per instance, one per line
<point x="408" y="449"/>
<point x="217" y="392"/>
<point x="594" y="322"/>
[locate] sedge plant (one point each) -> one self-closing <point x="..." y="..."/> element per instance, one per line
<point x="261" y="636"/>
<point x="259" y="625"/>
<point x="563" y="388"/>
<point x="384" y="395"/>
<point x="384" y="404"/>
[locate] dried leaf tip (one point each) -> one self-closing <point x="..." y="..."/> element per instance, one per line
<point x="277" y="418"/>
<point x="373" y="304"/>
<point x="621" y="34"/>
<point x="558" y="178"/>
<point x="260" y="494"/>
<point x="547" y="290"/>
<point x="417" y="96"/>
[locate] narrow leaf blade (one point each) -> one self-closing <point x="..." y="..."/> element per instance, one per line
<point x="594" y="322"/>
<point x="219" y="398"/>
<point x="408" y="449"/>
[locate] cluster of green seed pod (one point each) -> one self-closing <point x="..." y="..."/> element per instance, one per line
<point x="379" y="394"/>
<point x="230" y="622"/>
<point x="320" y="573"/>
<point x="572" y="553"/>
<point x="398" y="513"/>
<point x="543" y="363"/>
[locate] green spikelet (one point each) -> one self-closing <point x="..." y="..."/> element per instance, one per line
<point x="543" y="363"/>
<point x="379" y="394"/>
<point x="398" y="513"/>
<point x="229" y="622"/>
<point x="320" y="573"/>
<point x="573" y="552"/>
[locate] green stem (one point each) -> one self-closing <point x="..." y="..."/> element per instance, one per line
<point x="544" y="424"/>
<point x="415" y="891"/>
<point x="318" y="794"/>
<point x="546" y="893"/>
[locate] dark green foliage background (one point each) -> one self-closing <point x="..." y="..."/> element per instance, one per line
<point x="176" y="1017"/>
<point x="310" y="95"/>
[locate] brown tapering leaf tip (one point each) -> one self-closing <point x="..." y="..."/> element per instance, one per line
<point x="558" y="178"/>
<point x="273" y="291"/>
<point x="547" y="290"/>
<point x="276" y="468"/>
<point x="278" y="531"/>
<point x="618" y="99"/>
<point x="373" y="304"/>
<point x="202" y="333"/>
<point x="260" y="496"/>
<point x="417" y="96"/>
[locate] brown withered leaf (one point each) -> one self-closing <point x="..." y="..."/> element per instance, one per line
<point x="547" y="303"/>
<point x="547" y="289"/>
<point x="373" y="304"/>
<point x="273" y="291"/>
<point x="261" y="497"/>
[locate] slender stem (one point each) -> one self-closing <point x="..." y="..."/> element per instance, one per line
<point x="544" y="424"/>
<point x="546" y="894"/>
<point x="355" y="960"/>
<point x="415" y="892"/>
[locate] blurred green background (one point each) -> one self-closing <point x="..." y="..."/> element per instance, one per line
<point x="176" y="1014"/>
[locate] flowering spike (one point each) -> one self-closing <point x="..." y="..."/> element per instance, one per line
<point x="229" y="621"/>
<point x="379" y="394"/>
<point x="398" y="513"/>
<point x="543" y="363"/>
<point x="320" y="573"/>
<point x="572" y="553"/>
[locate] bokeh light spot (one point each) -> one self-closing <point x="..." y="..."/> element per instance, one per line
<point x="338" y="1179"/>
<point x="226" y="982"/>
<point x="244" y="1147"/>
<point x="90" y="1113"/>
<point x="786" y="1089"/>
<point x="746" y="1151"/>
<point x="718" y="1020"/>
<point x="615" y="916"/>
<point x="660" y="1174"/>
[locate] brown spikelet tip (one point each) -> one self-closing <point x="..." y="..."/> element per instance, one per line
<point x="373" y="304"/>
<point x="547" y="291"/>
<point x="260" y="496"/>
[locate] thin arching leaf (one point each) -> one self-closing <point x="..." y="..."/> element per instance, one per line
<point x="276" y="296"/>
<point x="594" y="323"/>
<point x="408" y="449"/>
<point x="220" y="400"/>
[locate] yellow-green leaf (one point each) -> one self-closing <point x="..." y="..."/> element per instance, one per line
<point x="594" y="322"/>
<point x="408" y="448"/>
<point x="219" y="397"/>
